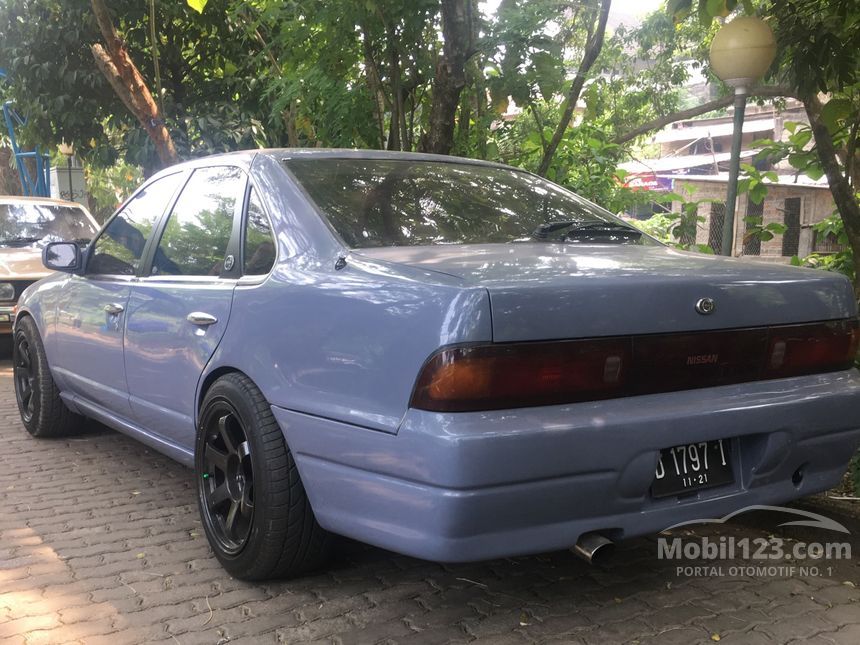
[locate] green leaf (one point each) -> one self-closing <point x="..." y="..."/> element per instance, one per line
<point x="717" y="8"/>
<point x="197" y="5"/>
<point x="795" y="261"/>
<point x="776" y="227"/>
<point x="814" y="172"/>
<point x="679" y="9"/>
<point x="834" y="111"/>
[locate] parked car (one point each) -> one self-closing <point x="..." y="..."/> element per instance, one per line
<point x="452" y="359"/>
<point x="27" y="224"/>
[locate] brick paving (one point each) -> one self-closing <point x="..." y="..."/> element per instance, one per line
<point x="100" y="543"/>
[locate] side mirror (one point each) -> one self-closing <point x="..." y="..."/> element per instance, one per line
<point x="62" y="256"/>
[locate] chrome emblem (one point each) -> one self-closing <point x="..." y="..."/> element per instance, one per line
<point x="705" y="306"/>
<point x="230" y="261"/>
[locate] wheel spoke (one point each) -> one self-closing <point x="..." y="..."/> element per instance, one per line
<point x="24" y="356"/>
<point x="214" y="457"/>
<point x="247" y="506"/>
<point x="225" y="434"/>
<point x="230" y="520"/>
<point x="218" y="496"/>
<point x="244" y="450"/>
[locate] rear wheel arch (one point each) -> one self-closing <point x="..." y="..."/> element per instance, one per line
<point x="208" y="382"/>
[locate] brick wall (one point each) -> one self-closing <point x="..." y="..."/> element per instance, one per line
<point x="815" y="205"/>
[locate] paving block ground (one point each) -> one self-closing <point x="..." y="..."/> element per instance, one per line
<point x="100" y="542"/>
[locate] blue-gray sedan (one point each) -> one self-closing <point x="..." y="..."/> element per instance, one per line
<point x="451" y="359"/>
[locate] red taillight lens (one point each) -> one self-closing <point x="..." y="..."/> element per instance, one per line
<point x="805" y="349"/>
<point x="514" y="375"/>
<point x="491" y="377"/>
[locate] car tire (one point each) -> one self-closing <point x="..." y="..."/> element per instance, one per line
<point x="43" y="412"/>
<point x="252" y="503"/>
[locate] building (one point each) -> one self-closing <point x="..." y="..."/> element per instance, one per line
<point x="798" y="203"/>
<point x="696" y="153"/>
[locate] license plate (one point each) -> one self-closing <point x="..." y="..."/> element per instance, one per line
<point x="5" y="318"/>
<point x="692" y="467"/>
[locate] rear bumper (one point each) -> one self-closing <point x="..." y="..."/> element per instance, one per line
<point x="473" y="486"/>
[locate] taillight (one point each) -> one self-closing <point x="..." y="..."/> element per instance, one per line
<point x="805" y="349"/>
<point x="515" y="375"/>
<point x="488" y="377"/>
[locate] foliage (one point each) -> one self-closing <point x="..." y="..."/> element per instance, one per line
<point x="110" y="186"/>
<point x="678" y="228"/>
<point x="657" y="226"/>
<point x="839" y="262"/>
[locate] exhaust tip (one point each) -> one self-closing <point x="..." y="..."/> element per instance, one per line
<point x="594" y="548"/>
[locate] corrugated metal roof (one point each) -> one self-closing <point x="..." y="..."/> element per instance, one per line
<point x="666" y="164"/>
<point x="691" y="133"/>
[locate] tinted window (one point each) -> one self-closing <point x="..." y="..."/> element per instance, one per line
<point x="259" y="242"/>
<point x="120" y="247"/>
<point x="198" y="230"/>
<point x="385" y="202"/>
<point x="26" y="223"/>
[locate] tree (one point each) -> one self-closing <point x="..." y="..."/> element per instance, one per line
<point x="459" y="29"/>
<point x="120" y="71"/>
<point x="818" y="53"/>
<point x="593" y="45"/>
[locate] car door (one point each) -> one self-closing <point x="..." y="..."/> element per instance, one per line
<point x="91" y="307"/>
<point x="178" y="313"/>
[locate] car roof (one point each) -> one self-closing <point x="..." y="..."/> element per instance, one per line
<point x="246" y="157"/>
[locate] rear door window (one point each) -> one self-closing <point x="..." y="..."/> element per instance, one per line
<point x="259" y="252"/>
<point x="198" y="231"/>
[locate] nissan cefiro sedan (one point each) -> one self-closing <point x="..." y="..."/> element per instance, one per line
<point x="451" y="359"/>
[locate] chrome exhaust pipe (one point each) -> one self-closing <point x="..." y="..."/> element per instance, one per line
<point x="593" y="547"/>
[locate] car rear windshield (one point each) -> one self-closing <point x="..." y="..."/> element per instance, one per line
<point x="397" y="202"/>
<point x="24" y="224"/>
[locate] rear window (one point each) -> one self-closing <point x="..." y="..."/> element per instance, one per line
<point x="23" y="224"/>
<point x="397" y="202"/>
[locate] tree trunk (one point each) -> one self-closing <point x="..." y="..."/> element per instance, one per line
<point x="840" y="187"/>
<point x="374" y="86"/>
<point x="450" y="76"/>
<point x="394" y="130"/>
<point x="128" y="84"/>
<point x="592" y="50"/>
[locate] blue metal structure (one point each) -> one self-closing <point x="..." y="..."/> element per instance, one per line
<point x="37" y="184"/>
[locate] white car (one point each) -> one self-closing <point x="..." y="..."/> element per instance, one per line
<point x="27" y="224"/>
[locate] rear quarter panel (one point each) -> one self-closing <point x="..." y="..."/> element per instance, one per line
<point x="346" y="345"/>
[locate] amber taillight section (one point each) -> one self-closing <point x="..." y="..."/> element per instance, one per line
<point x="515" y="375"/>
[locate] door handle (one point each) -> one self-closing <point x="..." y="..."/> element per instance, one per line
<point x="201" y="319"/>
<point x="114" y="309"/>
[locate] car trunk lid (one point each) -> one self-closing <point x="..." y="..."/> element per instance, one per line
<point x="545" y="291"/>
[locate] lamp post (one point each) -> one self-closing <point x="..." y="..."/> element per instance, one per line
<point x="68" y="150"/>
<point x="741" y="52"/>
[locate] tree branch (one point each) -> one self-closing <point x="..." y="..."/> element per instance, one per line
<point x="592" y="50"/>
<point x="128" y="83"/>
<point x="710" y="106"/>
<point x="840" y="188"/>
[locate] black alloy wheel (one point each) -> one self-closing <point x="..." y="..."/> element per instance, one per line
<point x="228" y="474"/>
<point x="26" y="380"/>
<point x="254" y="508"/>
<point x="43" y="412"/>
